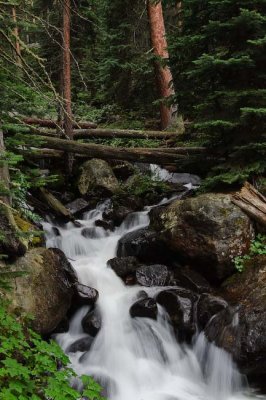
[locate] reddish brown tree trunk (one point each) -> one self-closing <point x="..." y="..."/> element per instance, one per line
<point x="16" y="34"/>
<point x="163" y="73"/>
<point x="68" y="126"/>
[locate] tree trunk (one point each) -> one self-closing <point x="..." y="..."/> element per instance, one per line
<point x="16" y="35"/>
<point x="145" y="155"/>
<point x="252" y="202"/>
<point x="49" y="123"/>
<point x="68" y="128"/>
<point x="163" y="73"/>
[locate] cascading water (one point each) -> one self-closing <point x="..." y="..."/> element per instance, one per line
<point x="136" y="358"/>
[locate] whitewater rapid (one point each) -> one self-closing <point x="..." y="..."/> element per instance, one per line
<point x="136" y="358"/>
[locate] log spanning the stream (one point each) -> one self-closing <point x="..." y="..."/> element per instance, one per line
<point x="145" y="155"/>
<point x="49" y="123"/>
<point x="109" y="134"/>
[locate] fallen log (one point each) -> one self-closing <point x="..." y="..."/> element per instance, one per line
<point x="109" y="134"/>
<point x="49" y="123"/>
<point x="252" y="202"/>
<point x="146" y="155"/>
<point x="55" y="204"/>
<point x="122" y="133"/>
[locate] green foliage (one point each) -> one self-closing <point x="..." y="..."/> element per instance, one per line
<point x="141" y="185"/>
<point x="258" y="247"/>
<point x="218" y="62"/>
<point x="31" y="368"/>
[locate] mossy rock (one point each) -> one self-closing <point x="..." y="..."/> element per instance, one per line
<point x="33" y="236"/>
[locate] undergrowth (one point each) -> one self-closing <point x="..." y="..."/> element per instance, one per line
<point x="258" y="247"/>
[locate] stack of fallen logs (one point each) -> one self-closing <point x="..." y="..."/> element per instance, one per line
<point x="54" y="144"/>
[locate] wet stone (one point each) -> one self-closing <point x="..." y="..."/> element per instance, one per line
<point x="83" y="344"/>
<point x="179" y="304"/>
<point x="207" y="307"/>
<point x="145" y="308"/>
<point x="91" y="323"/>
<point x="152" y="275"/>
<point x="123" y="266"/>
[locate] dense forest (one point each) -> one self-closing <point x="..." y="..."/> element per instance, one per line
<point x="139" y="126"/>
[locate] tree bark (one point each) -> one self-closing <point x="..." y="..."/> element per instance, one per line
<point x="68" y="127"/>
<point x="163" y="73"/>
<point x="49" y="123"/>
<point x="251" y="202"/>
<point x="16" y="35"/>
<point x="146" y="155"/>
<point x="109" y="134"/>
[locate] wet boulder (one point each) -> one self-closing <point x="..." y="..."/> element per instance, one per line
<point x="207" y="231"/>
<point x="152" y="275"/>
<point x="46" y="288"/>
<point x="189" y="279"/>
<point x="78" y="207"/>
<point x="144" y="308"/>
<point x="82" y="345"/>
<point x="91" y="323"/>
<point x="208" y="306"/>
<point x="243" y="332"/>
<point x="144" y="244"/>
<point x="97" y="175"/>
<point x="179" y="304"/>
<point x="83" y="296"/>
<point x="124" y="266"/>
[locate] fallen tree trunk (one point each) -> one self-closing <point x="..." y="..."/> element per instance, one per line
<point x="146" y="155"/>
<point x="110" y="134"/>
<point x="252" y="202"/>
<point x="49" y="123"/>
<point x="55" y="204"/>
<point x="123" y="134"/>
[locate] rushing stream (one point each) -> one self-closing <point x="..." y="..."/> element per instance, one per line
<point x="136" y="358"/>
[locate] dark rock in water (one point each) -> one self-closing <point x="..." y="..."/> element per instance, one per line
<point x="83" y="344"/>
<point x="92" y="233"/>
<point x="83" y="296"/>
<point x="118" y="214"/>
<point x="124" y="266"/>
<point x="91" y="323"/>
<point x="56" y="231"/>
<point x="144" y="244"/>
<point x="152" y="275"/>
<point x="179" y="304"/>
<point x="207" y="307"/>
<point x="188" y="278"/>
<point x="243" y="332"/>
<point x="78" y="206"/>
<point x="145" y="308"/>
<point x="207" y="231"/>
<point x="107" y="225"/>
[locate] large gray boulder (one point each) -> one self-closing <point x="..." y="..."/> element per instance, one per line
<point x="46" y="288"/>
<point x="207" y="231"/>
<point x="97" y="175"/>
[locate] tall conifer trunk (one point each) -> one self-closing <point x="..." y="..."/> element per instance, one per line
<point x="163" y="73"/>
<point x="68" y="126"/>
<point x="16" y="35"/>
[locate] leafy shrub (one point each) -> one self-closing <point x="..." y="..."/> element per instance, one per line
<point x="31" y="368"/>
<point x="258" y="247"/>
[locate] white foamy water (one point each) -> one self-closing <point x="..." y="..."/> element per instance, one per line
<point x="136" y="359"/>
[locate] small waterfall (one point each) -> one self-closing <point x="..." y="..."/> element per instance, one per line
<point x="135" y="359"/>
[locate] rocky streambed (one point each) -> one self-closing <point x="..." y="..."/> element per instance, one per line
<point x="148" y="302"/>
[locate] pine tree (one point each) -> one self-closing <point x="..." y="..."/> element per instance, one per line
<point x="219" y="64"/>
